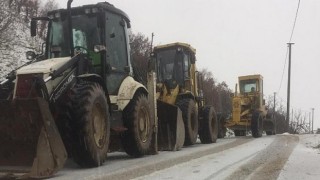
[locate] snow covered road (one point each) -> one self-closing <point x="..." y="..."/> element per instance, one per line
<point x="261" y="158"/>
<point x="269" y="157"/>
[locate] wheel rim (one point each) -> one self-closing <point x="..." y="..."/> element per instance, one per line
<point x="143" y="123"/>
<point x="98" y="120"/>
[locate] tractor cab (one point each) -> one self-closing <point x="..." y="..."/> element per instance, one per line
<point x="175" y="64"/>
<point x="99" y="32"/>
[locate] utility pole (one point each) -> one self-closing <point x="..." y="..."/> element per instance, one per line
<point x="309" y="122"/>
<point x="288" y="88"/>
<point x="274" y="111"/>
<point x="312" y="119"/>
<point x="151" y="44"/>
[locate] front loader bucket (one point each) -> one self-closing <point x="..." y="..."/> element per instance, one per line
<point x="30" y="144"/>
<point x="171" y="132"/>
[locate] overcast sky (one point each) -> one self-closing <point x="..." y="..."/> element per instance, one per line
<point x="239" y="37"/>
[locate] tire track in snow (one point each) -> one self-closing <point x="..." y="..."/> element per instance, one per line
<point x="156" y="166"/>
<point x="267" y="164"/>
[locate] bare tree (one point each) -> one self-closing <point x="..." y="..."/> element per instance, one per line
<point x="15" y="38"/>
<point x="7" y="17"/>
<point x="299" y="123"/>
<point x="140" y="52"/>
<point x="215" y="94"/>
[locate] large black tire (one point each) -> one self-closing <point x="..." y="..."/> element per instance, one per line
<point x="221" y="129"/>
<point x="90" y="122"/>
<point x="256" y="125"/>
<point x="190" y="119"/>
<point x="208" y="131"/>
<point x="239" y="132"/>
<point x="136" y="141"/>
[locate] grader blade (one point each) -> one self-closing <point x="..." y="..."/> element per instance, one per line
<point x="30" y="144"/>
<point x="171" y="132"/>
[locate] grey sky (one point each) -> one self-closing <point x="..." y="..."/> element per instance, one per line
<point x="239" y="37"/>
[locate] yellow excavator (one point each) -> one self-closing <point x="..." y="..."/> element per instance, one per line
<point x="178" y="95"/>
<point x="248" y="108"/>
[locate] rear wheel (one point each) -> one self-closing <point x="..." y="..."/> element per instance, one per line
<point x="190" y="119"/>
<point x="221" y="129"/>
<point x="90" y="122"/>
<point x="208" y="130"/>
<point x="136" y="140"/>
<point x="256" y="125"/>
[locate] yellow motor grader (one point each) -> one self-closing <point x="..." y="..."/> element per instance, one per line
<point x="248" y="108"/>
<point x="180" y="105"/>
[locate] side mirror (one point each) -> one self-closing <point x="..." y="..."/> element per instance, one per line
<point x="30" y="55"/>
<point x="33" y="28"/>
<point x="99" y="48"/>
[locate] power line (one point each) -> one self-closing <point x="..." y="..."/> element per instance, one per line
<point x="285" y="60"/>
<point x="295" y="20"/>
<point x="284" y="68"/>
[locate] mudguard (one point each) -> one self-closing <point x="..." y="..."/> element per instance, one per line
<point x="126" y="92"/>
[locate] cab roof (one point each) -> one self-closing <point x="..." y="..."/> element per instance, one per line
<point x="247" y="77"/>
<point x="172" y="45"/>
<point x="101" y="6"/>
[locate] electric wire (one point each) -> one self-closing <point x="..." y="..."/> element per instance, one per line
<point x="285" y="61"/>
<point x="284" y="67"/>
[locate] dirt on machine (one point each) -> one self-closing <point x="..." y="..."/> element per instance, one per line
<point x="249" y="112"/>
<point x="182" y="114"/>
<point x="77" y="99"/>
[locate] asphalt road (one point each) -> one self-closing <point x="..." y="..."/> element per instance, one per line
<point x="229" y="158"/>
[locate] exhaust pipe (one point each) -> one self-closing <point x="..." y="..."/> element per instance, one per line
<point x="70" y="27"/>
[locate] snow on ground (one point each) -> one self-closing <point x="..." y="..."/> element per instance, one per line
<point x="304" y="162"/>
<point x="214" y="166"/>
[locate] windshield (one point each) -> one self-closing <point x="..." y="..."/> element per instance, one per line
<point x="247" y="86"/>
<point x="85" y="36"/>
<point x="169" y="66"/>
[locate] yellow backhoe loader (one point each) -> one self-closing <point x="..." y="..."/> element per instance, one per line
<point x="180" y="105"/>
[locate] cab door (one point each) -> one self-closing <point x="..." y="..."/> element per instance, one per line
<point x="117" y="52"/>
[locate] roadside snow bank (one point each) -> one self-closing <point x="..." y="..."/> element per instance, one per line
<point x="286" y="133"/>
<point x="304" y="160"/>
